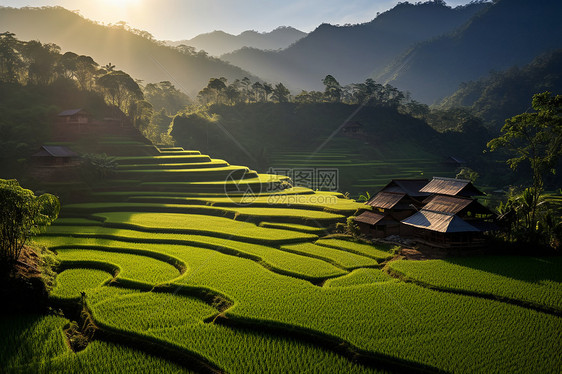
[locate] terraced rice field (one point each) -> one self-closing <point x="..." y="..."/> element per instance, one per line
<point x="368" y="168"/>
<point x="181" y="279"/>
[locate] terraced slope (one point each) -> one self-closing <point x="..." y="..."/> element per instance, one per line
<point x="229" y="281"/>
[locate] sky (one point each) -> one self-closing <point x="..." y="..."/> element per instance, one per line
<point x="184" y="19"/>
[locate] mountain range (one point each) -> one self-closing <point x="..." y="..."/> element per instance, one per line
<point x="508" y="33"/>
<point x="354" y="53"/>
<point x="217" y="43"/>
<point x="141" y="56"/>
<point x="427" y="49"/>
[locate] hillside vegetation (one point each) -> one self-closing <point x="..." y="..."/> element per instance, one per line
<point x="504" y="94"/>
<point x="353" y="52"/>
<point x="132" y="50"/>
<point x="511" y="32"/>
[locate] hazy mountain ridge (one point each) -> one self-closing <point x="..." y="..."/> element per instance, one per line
<point x="502" y="95"/>
<point x="219" y="42"/>
<point x="353" y="53"/>
<point x="143" y="58"/>
<point x="511" y="32"/>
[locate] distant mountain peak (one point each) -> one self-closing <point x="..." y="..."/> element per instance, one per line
<point x="219" y="42"/>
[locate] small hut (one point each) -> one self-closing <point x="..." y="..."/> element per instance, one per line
<point x="397" y="200"/>
<point x="73" y="116"/>
<point x="55" y="156"/>
<point x="444" y="230"/>
<point x="377" y="225"/>
<point x="353" y="129"/>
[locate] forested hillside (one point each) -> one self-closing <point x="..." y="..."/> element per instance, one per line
<point x="132" y="50"/>
<point x="503" y="94"/>
<point x="511" y="32"/>
<point x="354" y="52"/>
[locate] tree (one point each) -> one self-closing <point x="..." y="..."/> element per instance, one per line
<point x="468" y="174"/>
<point x="535" y="138"/>
<point x="333" y="90"/>
<point x="22" y="214"/>
<point x="217" y="85"/>
<point x="258" y="90"/>
<point x="164" y="95"/>
<point x="268" y="90"/>
<point x="120" y="89"/>
<point x="280" y="93"/>
<point x="10" y="58"/>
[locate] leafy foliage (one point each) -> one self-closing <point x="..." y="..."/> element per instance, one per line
<point x="22" y="215"/>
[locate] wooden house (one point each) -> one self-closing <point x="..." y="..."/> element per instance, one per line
<point x="450" y="217"/>
<point x="53" y="156"/>
<point x="397" y="200"/>
<point x="443" y="230"/>
<point x="353" y="129"/>
<point x="55" y="163"/>
<point x="73" y="116"/>
<point x="377" y="225"/>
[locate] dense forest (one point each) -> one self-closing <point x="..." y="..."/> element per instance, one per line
<point x="503" y="94"/>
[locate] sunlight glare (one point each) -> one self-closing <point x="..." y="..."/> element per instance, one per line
<point x="122" y="3"/>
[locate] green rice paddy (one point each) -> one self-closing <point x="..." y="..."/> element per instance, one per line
<point x="198" y="275"/>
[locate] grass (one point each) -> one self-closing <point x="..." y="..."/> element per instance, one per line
<point x="532" y="280"/>
<point x="135" y="267"/>
<point x="295" y="227"/>
<point x="329" y="203"/>
<point x="204" y="225"/>
<point x="344" y="259"/>
<point x="359" y="277"/>
<point x="380" y="252"/>
<point x="36" y="344"/>
<point x="70" y="283"/>
<point x="282" y="262"/>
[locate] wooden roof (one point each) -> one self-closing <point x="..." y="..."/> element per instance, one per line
<point x="451" y="187"/>
<point x="447" y="204"/>
<point x="55" y="151"/>
<point x="370" y="218"/>
<point x="410" y="187"/>
<point x="385" y="200"/>
<point x="71" y="112"/>
<point x="440" y="222"/>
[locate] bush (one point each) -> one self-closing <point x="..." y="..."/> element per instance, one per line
<point x="22" y="214"/>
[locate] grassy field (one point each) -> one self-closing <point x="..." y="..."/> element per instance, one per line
<point x="179" y="278"/>
<point x="529" y="280"/>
